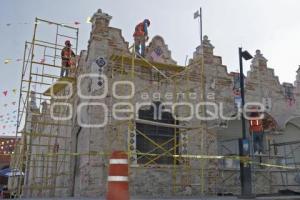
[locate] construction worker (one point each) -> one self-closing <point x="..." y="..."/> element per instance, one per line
<point x="141" y="36"/>
<point x="257" y="131"/>
<point x="66" y="56"/>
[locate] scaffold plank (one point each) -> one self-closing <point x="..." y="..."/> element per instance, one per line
<point x="58" y="85"/>
<point x="139" y="62"/>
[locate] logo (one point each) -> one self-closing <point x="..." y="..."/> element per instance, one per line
<point x="124" y="109"/>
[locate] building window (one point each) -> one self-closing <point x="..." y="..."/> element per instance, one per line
<point x="156" y="144"/>
<point x="288" y="91"/>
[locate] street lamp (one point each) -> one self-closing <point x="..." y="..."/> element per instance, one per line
<point x="244" y="145"/>
<point x="247" y="56"/>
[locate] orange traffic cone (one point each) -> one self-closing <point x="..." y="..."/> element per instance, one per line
<point x="118" y="188"/>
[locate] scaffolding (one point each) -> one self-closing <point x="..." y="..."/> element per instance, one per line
<point x="45" y="154"/>
<point x="42" y="152"/>
<point x="289" y="178"/>
<point x="188" y="172"/>
<point x="278" y="166"/>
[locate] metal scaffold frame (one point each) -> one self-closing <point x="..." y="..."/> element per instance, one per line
<point x="175" y="75"/>
<point x="48" y="171"/>
<point x="289" y="159"/>
<point x="35" y="82"/>
<point x="38" y="131"/>
<point x="276" y="165"/>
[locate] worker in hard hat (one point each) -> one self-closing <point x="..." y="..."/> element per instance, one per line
<point x="66" y="56"/>
<point x="257" y="132"/>
<point x="141" y="36"/>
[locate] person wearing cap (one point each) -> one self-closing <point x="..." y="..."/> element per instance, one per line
<point x="66" y="56"/>
<point x="141" y="36"/>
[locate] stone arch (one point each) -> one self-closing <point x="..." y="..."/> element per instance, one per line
<point x="291" y="121"/>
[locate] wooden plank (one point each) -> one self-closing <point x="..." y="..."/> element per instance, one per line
<point x="57" y="86"/>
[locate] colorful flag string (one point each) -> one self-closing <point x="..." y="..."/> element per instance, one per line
<point x="8" y="60"/>
<point x="76" y="23"/>
<point x="6" y="92"/>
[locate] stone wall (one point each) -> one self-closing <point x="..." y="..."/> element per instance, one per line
<point x="93" y="145"/>
<point x="92" y="170"/>
<point x="261" y="83"/>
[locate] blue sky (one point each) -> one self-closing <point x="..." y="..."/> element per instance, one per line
<point x="268" y="25"/>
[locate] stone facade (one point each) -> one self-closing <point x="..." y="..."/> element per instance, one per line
<point x="92" y="146"/>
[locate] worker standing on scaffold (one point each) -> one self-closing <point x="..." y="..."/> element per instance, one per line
<point x="257" y="131"/>
<point x="141" y="36"/>
<point x="66" y="57"/>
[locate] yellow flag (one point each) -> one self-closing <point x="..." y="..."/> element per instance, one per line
<point x="88" y="20"/>
<point x="7" y="61"/>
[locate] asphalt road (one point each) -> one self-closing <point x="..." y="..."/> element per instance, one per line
<point x="185" y="198"/>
